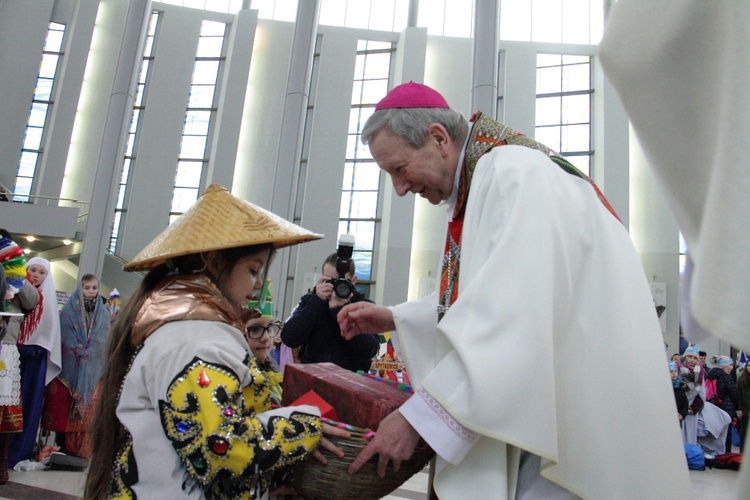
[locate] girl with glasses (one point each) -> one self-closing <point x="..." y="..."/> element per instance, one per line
<point x="261" y="334"/>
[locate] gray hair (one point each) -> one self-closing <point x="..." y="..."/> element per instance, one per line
<point x="411" y="124"/>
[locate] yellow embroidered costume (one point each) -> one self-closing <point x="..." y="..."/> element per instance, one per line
<point x="213" y="407"/>
<point x="193" y="414"/>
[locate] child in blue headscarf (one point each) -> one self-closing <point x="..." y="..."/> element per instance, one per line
<point x="84" y="325"/>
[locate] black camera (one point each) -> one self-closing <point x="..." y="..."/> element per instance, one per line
<point x="342" y="286"/>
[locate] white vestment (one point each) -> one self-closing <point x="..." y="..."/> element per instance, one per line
<point x="553" y="345"/>
<point x="681" y="69"/>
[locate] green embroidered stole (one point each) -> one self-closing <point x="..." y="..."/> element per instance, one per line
<point x="484" y="135"/>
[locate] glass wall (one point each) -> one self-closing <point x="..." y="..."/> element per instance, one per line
<point x="563" y="106"/>
<point x="360" y="190"/>
<point x="41" y="104"/>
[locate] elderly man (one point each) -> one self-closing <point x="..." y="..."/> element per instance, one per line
<point x="539" y="368"/>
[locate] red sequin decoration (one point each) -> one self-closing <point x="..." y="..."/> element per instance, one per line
<point x="203" y="379"/>
<point x="220" y="446"/>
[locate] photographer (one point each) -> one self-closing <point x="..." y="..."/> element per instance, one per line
<point x="313" y="327"/>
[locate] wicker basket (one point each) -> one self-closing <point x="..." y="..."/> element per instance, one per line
<point x="314" y="480"/>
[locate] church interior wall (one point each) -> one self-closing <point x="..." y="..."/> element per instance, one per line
<point x="411" y="242"/>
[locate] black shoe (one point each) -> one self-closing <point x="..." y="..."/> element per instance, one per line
<point x="61" y="461"/>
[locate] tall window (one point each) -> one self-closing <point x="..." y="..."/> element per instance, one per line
<point x="226" y="6"/>
<point x="359" y="197"/>
<point x="447" y="17"/>
<point x="198" y="118"/>
<point x="563" y="106"/>
<point x="135" y="122"/>
<point x="41" y="103"/>
<point x="553" y="21"/>
<point x="278" y="10"/>
<point x="384" y="15"/>
<point x="440" y="17"/>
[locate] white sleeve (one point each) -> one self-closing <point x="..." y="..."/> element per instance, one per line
<point x="451" y="440"/>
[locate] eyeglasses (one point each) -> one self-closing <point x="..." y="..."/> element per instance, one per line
<point x="257" y="331"/>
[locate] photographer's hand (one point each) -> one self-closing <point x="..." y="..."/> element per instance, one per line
<point x="323" y="289"/>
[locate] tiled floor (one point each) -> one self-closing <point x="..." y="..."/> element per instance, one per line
<point x="58" y="485"/>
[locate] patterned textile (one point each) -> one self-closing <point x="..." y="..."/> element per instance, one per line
<point x="211" y="422"/>
<point x="274" y="380"/>
<point x="11" y="418"/>
<point x="41" y="326"/>
<point x="80" y="443"/>
<point x="84" y="346"/>
<point x="14" y="264"/>
<point x="2" y="304"/>
<point x="484" y="135"/>
<point x="57" y="415"/>
<point x="125" y="470"/>
<point x="31" y="320"/>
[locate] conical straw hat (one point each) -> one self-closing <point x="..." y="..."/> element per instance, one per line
<point x="216" y="221"/>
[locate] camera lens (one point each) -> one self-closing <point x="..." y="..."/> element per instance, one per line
<point x="343" y="288"/>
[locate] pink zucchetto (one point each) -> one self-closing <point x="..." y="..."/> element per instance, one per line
<point x="412" y="95"/>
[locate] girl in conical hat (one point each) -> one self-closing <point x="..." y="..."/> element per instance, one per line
<point x="184" y="408"/>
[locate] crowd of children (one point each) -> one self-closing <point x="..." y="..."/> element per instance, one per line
<point x="51" y="361"/>
<point x="712" y="403"/>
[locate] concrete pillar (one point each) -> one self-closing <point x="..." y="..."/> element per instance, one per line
<point x="484" y="71"/>
<point x="109" y="164"/>
<point x="283" y="201"/>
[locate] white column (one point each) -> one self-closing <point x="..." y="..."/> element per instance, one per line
<point x="484" y="72"/>
<point x="225" y="138"/>
<point x="396" y="250"/>
<point x="283" y="201"/>
<point x="109" y="164"/>
<point x="413" y="14"/>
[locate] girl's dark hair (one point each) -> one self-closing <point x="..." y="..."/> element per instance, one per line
<point x="106" y="428"/>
